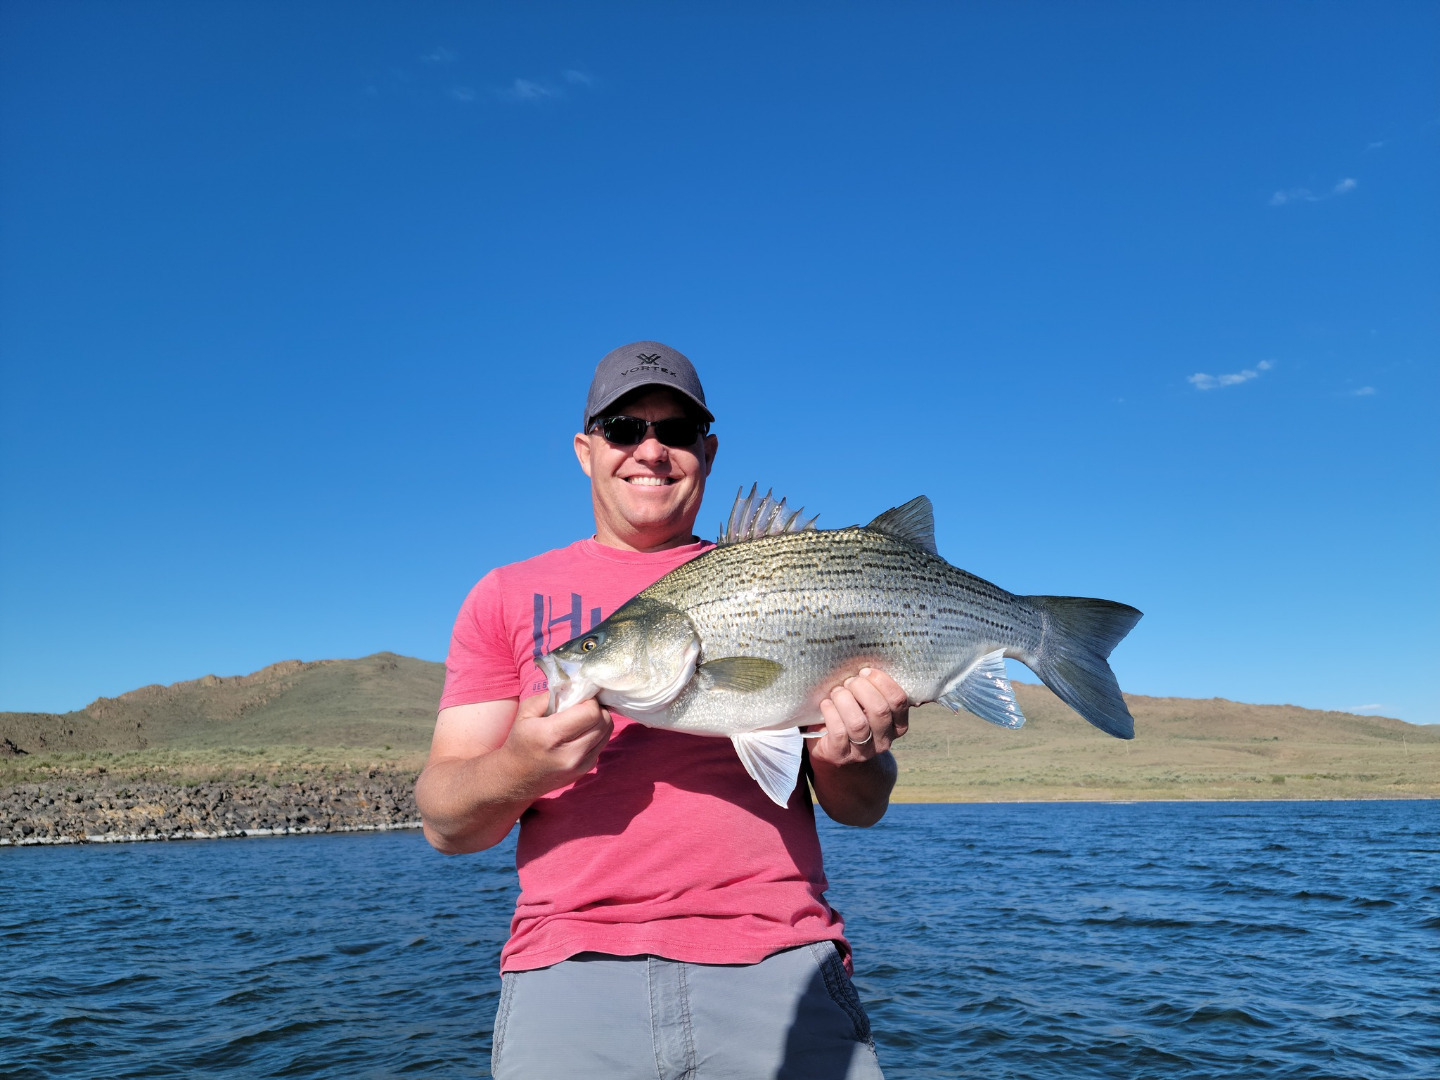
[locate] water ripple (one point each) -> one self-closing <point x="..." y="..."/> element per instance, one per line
<point x="1035" y="941"/>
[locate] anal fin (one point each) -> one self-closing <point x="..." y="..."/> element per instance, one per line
<point x="772" y="758"/>
<point x="986" y="692"/>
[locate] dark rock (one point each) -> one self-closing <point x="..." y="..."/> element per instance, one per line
<point x="47" y="812"/>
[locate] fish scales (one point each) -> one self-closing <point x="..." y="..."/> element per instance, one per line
<point x="748" y="639"/>
<point x="825" y="604"/>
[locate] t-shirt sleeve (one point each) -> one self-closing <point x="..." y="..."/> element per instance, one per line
<point x="481" y="663"/>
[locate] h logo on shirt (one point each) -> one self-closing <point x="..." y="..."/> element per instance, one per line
<point x="546" y="621"/>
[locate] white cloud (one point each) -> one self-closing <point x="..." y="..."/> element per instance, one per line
<point x="544" y="90"/>
<point x="1364" y="391"/>
<point x="463" y="93"/>
<point x="1300" y="194"/>
<point x="1376" y="145"/>
<point x="1201" y="381"/>
<point x="529" y="90"/>
<point x="439" y="55"/>
<point x="1366" y="708"/>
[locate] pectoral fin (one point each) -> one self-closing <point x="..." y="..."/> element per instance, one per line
<point x="985" y="691"/>
<point x="744" y="674"/>
<point x="772" y="758"/>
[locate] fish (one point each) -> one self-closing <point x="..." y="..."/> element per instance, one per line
<point x="747" y="639"/>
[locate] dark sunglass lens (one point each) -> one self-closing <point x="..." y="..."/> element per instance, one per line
<point x="622" y="430"/>
<point x="628" y="430"/>
<point x="679" y="431"/>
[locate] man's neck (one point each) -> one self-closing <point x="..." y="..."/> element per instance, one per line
<point x="643" y="542"/>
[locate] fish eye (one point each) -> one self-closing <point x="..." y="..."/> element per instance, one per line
<point x="588" y="645"/>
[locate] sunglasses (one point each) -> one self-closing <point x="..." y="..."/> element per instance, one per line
<point x="677" y="431"/>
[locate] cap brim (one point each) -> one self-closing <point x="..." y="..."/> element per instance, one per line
<point x="627" y="391"/>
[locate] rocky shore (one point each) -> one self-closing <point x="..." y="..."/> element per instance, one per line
<point x="101" y="809"/>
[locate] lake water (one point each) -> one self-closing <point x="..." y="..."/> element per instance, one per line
<point x="1204" y="940"/>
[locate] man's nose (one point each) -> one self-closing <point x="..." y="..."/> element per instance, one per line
<point x="651" y="448"/>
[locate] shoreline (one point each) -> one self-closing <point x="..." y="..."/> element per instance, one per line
<point x="236" y="834"/>
<point x="295" y="820"/>
<point x="1131" y="801"/>
<point x="80" y="797"/>
<point x="1068" y="797"/>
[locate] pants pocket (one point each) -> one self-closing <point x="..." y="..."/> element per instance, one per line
<point x="841" y="990"/>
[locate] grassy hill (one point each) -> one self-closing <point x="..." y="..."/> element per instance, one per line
<point x="380" y="700"/>
<point x="341" y="714"/>
<point x="1184" y="748"/>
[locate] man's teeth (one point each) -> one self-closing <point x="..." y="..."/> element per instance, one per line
<point x="648" y="481"/>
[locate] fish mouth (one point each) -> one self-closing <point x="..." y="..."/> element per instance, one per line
<point x="567" y="685"/>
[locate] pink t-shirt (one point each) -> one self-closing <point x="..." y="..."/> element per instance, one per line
<point x="667" y="846"/>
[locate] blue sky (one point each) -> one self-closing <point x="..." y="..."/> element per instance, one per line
<point x="298" y="303"/>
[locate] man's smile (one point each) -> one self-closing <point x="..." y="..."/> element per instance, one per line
<point x="649" y="481"/>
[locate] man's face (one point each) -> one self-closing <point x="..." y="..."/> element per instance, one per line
<point x="646" y="496"/>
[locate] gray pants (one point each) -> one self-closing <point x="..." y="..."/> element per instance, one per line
<point x="793" y="1016"/>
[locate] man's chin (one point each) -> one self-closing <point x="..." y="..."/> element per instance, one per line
<point x="659" y="510"/>
<point x="657" y="518"/>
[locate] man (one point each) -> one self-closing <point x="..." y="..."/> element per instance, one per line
<point x="671" y="919"/>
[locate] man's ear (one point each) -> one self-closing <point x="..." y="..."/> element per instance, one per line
<point x="711" y="445"/>
<point x="582" y="452"/>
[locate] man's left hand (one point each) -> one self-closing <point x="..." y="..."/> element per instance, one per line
<point x="862" y="719"/>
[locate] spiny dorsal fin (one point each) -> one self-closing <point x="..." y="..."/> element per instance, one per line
<point x="914" y="523"/>
<point x="751" y="519"/>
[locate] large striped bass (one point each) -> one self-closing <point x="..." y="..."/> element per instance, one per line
<point x="746" y="640"/>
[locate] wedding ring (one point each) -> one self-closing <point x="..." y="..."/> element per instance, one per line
<point x="862" y="742"/>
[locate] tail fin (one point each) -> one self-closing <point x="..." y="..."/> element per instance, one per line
<point x="1079" y="636"/>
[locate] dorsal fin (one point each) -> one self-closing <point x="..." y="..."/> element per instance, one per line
<point x="914" y="523"/>
<point x="751" y="519"/>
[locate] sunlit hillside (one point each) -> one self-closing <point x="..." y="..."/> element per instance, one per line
<point x="319" y="714"/>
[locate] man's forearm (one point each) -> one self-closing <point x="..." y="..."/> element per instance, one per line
<point x="469" y="804"/>
<point x="857" y="793"/>
<point x="490" y="761"/>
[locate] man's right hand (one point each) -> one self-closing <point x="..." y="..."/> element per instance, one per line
<point x="548" y="752"/>
<point x="491" y="760"/>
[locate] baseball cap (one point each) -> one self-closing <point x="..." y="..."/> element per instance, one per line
<point x="642" y="363"/>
